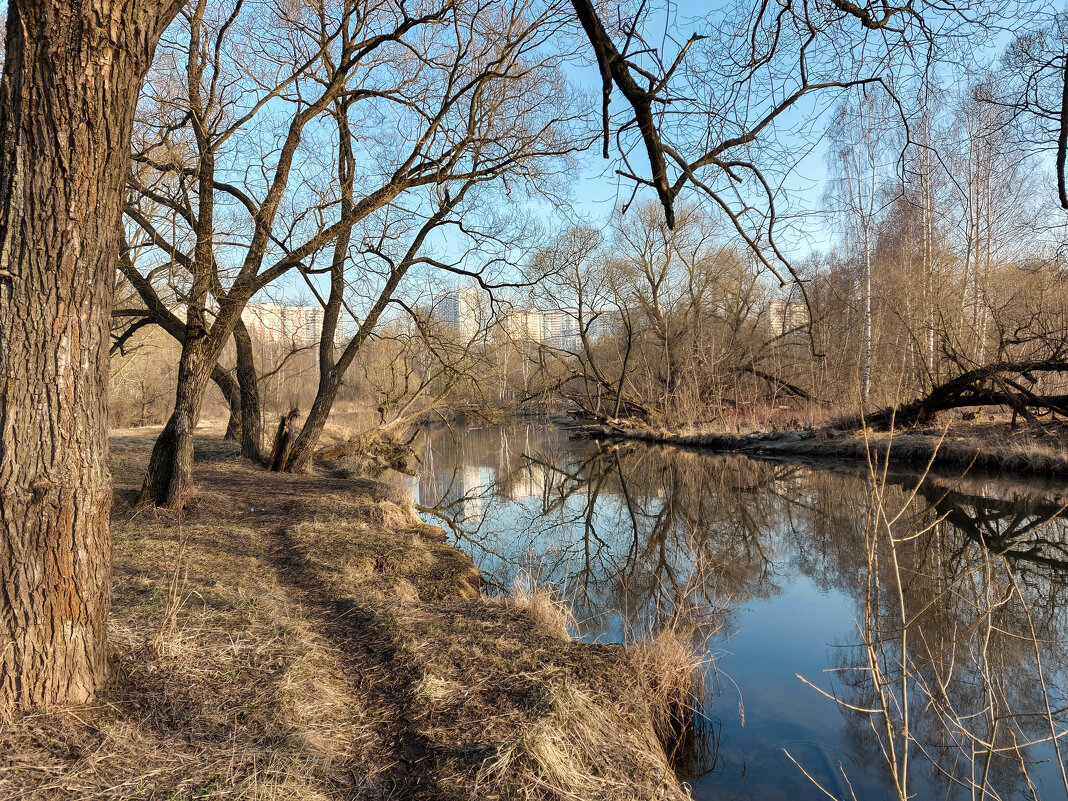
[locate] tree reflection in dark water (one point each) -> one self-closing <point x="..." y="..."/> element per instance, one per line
<point x="938" y="606"/>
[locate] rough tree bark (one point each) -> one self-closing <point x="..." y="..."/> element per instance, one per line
<point x="251" y="409"/>
<point x="232" y="395"/>
<point x="170" y="468"/>
<point x="71" y="78"/>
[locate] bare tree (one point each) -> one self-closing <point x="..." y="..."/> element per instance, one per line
<point x="861" y="159"/>
<point x="516" y="128"/>
<point x="318" y="56"/>
<point x="705" y="108"/>
<point x="662" y="323"/>
<point x="591" y="370"/>
<point x="147" y="305"/>
<point x="425" y="114"/>
<point x="1034" y="87"/>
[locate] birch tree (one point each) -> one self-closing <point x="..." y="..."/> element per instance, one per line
<point x="862" y="153"/>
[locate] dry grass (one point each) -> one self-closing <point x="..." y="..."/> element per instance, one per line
<point x="549" y="614"/>
<point x="348" y="549"/>
<point x="506" y="705"/>
<point x="555" y="720"/>
<point x="671" y="669"/>
<point x="562" y="754"/>
<point x="369" y="453"/>
<point x="239" y="700"/>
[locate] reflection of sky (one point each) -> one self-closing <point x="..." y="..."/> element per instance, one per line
<point x="790" y="612"/>
<point x="788" y="634"/>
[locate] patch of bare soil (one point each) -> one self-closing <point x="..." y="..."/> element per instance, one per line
<point x="309" y="637"/>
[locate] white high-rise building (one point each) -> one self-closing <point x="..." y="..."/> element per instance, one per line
<point x="561" y="329"/>
<point x="288" y="326"/>
<point x="787" y="316"/>
<point x="523" y="326"/>
<point x="462" y="309"/>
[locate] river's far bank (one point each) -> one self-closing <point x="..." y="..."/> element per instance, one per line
<point x="988" y="445"/>
<point x="308" y="636"/>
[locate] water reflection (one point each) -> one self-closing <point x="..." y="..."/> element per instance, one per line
<point x="926" y="616"/>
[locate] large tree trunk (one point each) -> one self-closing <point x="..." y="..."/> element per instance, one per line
<point x="71" y="77"/>
<point x="300" y="455"/>
<point x="232" y="394"/>
<point x="251" y="409"/>
<point x="996" y="384"/>
<point x="170" y="469"/>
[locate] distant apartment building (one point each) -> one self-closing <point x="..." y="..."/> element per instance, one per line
<point x="521" y="325"/>
<point x="462" y="309"/>
<point x="787" y="316"/>
<point x="287" y="326"/>
<point x="604" y="322"/>
<point x="558" y="328"/>
<point x="467" y="312"/>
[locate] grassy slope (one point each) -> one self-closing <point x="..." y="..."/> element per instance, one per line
<point x="325" y="643"/>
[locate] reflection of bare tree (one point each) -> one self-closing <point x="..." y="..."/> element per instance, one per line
<point x="1030" y="533"/>
<point x="633" y="535"/>
<point x="956" y="682"/>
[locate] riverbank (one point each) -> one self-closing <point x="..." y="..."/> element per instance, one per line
<point x="309" y="637"/>
<point x="990" y="445"/>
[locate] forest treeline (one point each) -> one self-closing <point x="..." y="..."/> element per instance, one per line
<point x="943" y="280"/>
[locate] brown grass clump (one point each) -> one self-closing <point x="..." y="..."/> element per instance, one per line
<point x="670" y="670"/>
<point x="369" y="453"/>
<point x="364" y="553"/>
<point x="562" y="754"/>
<point x="549" y="614"/>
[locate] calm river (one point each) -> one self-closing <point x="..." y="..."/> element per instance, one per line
<point x="930" y="638"/>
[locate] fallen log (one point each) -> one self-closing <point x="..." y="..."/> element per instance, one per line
<point x="996" y="384"/>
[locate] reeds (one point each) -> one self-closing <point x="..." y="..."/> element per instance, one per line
<point x="582" y="748"/>
<point x="671" y="673"/>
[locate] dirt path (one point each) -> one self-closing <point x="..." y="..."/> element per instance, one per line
<point x="308" y="637"/>
<point x="397" y="766"/>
